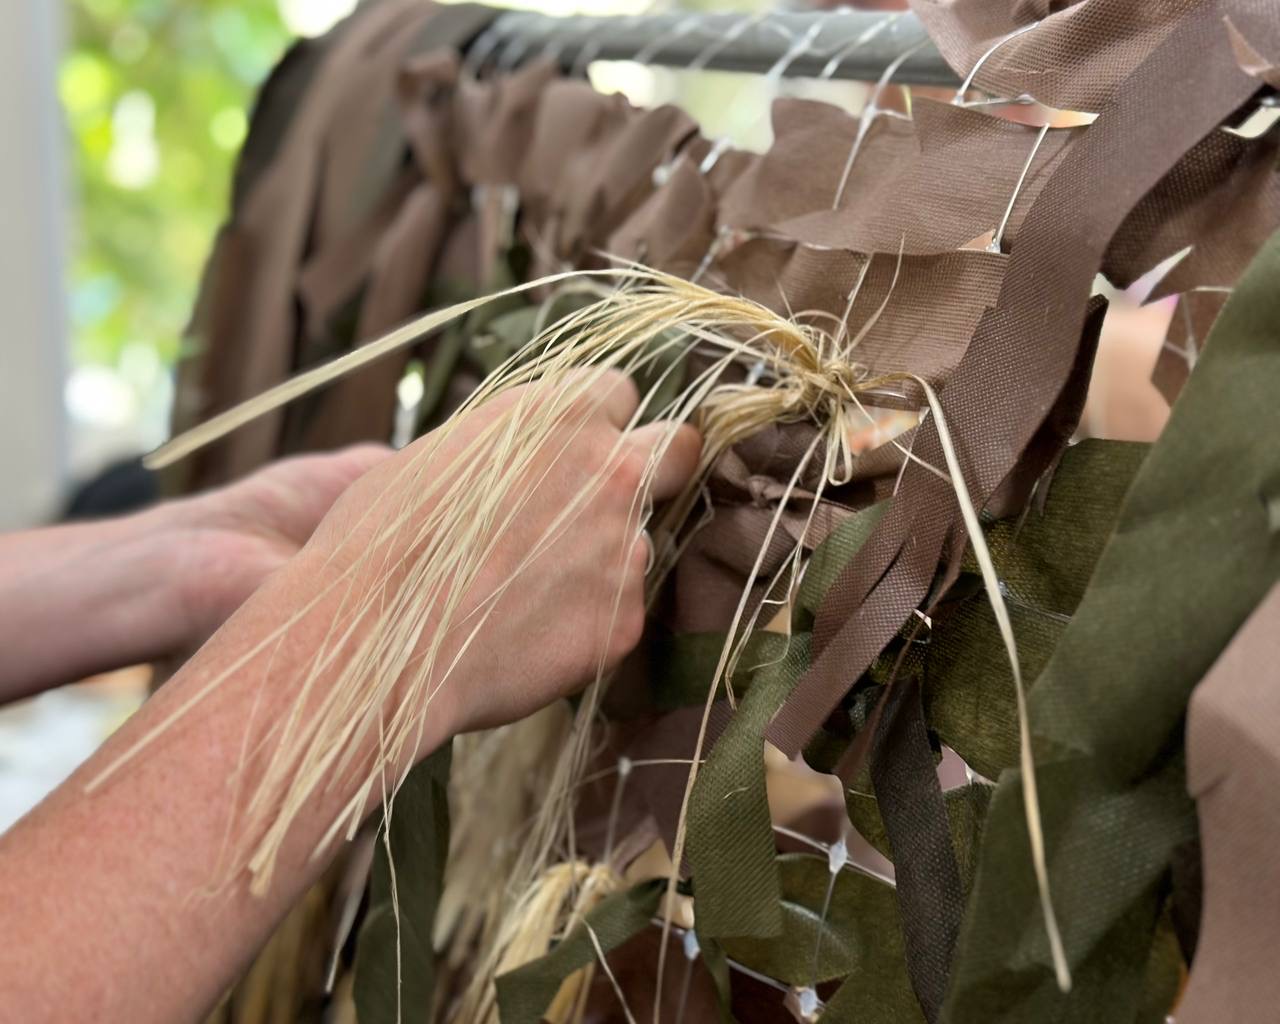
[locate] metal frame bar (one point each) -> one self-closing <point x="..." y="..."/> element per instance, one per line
<point x="727" y="42"/>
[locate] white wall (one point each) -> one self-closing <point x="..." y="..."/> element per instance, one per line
<point x="33" y="333"/>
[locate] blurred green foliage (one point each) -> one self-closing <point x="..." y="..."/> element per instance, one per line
<point x="156" y="94"/>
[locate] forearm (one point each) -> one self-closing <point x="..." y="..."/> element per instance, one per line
<point x="108" y="910"/>
<point x="85" y="598"/>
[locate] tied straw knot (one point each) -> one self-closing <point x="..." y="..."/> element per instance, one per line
<point x="831" y="384"/>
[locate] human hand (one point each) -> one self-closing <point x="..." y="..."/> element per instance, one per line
<point x="153" y="586"/>
<point x="216" y="738"/>
<point x="579" y="604"/>
<point x="225" y="543"/>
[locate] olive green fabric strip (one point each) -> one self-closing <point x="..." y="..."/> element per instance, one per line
<point x="966" y="812"/>
<point x="969" y="696"/>
<point x="1163" y="976"/>
<point x="681" y="667"/>
<point x="731" y="846"/>
<point x="860" y="940"/>
<point x="503" y="336"/>
<point x="523" y="994"/>
<point x="713" y="958"/>
<point x="1193" y="552"/>
<point x="395" y="961"/>
<point x="832" y="555"/>
<point x="1044" y="559"/>
<point x="909" y="795"/>
<point x="859" y="932"/>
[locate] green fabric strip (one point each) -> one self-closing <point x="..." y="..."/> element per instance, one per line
<point x="966" y="813"/>
<point x="969" y="696"/>
<point x="731" y="846"/>
<point x="860" y="940"/>
<point x="395" y="963"/>
<point x="680" y="667"/>
<point x="713" y="958"/>
<point x="1044" y="559"/>
<point x="831" y="556"/>
<point x="1163" y="976"/>
<point x="1193" y="552"/>
<point x="909" y="794"/>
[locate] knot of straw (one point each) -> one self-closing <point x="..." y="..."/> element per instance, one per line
<point x="813" y="369"/>
<point x="833" y="382"/>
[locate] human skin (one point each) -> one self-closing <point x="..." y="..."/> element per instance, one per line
<point x="110" y="897"/>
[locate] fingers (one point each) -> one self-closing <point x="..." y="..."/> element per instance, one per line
<point x="643" y="553"/>
<point x="358" y="459"/>
<point x="677" y="464"/>
<point x="617" y="397"/>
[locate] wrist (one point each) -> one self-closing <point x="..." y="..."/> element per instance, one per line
<point x="214" y="562"/>
<point x="171" y="534"/>
<point x="113" y="578"/>
<point x="337" y="586"/>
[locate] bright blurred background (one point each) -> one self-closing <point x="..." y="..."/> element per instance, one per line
<point x="154" y="95"/>
<point x="122" y="119"/>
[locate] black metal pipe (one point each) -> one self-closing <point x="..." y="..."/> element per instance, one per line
<point x="821" y="44"/>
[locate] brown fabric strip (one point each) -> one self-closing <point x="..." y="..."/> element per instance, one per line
<point x="422" y="89"/>
<point x="271" y="224"/>
<point x="437" y="41"/>
<point x="1186" y="897"/>
<point x="365" y="115"/>
<point x="744" y="485"/>
<point x="675" y="227"/>
<point x="801" y="171"/>
<point x="932" y="303"/>
<point x="1222" y="200"/>
<point x="391" y="256"/>
<point x="1051" y="438"/>
<point x="281" y="96"/>
<point x="386" y="260"/>
<point x="599" y="188"/>
<point x="292" y="186"/>
<point x="709" y="583"/>
<point x="571" y="117"/>
<point x="1233" y="771"/>
<point x="340" y="266"/>
<point x="930" y="896"/>
<point x="658" y="787"/>
<point x="1265" y="68"/>
<point x="205" y="381"/>
<point x="353" y="409"/>
<point x="331" y="279"/>
<point x="1022" y="353"/>
<point x="275" y="222"/>
<point x="926" y="202"/>
<point x="495" y="121"/>
<point x="1078" y="57"/>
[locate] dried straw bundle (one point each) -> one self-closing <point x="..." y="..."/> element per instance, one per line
<point x="460" y="510"/>
<point x="556" y="903"/>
